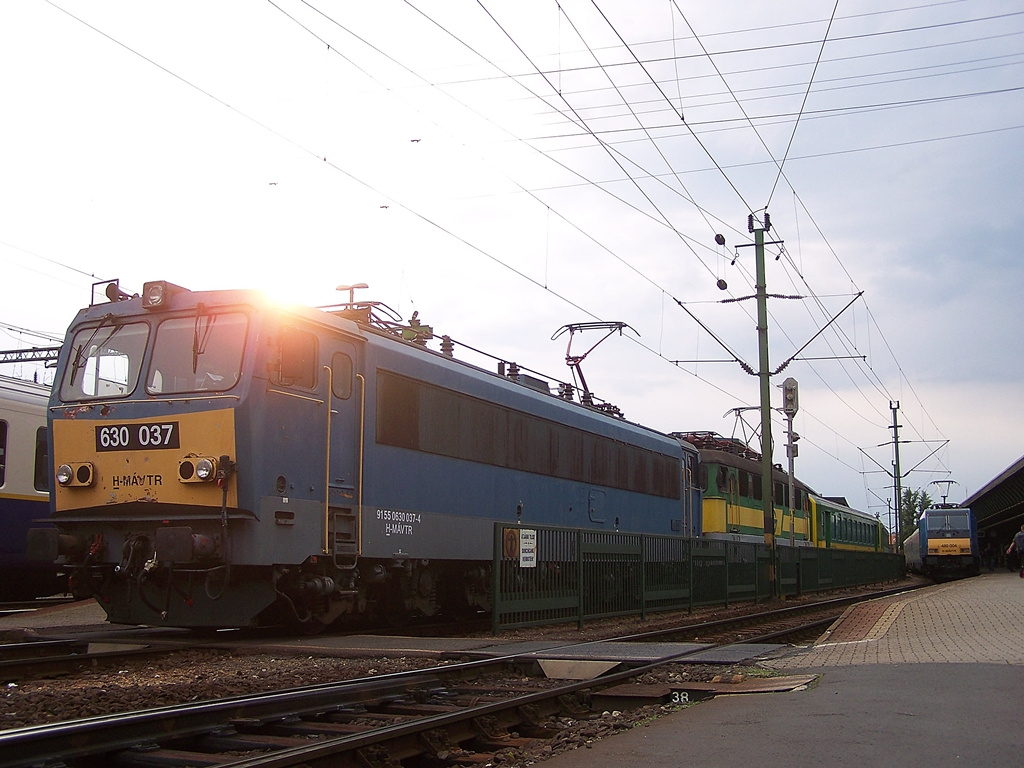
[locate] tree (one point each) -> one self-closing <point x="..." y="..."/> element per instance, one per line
<point x="912" y="506"/>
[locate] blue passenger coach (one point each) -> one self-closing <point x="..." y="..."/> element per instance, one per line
<point x="24" y="489"/>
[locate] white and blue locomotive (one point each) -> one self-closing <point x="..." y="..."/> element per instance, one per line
<point x="221" y="461"/>
<point x="945" y="544"/>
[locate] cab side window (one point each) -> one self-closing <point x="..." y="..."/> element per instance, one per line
<point x="341" y="376"/>
<point x="297" y="360"/>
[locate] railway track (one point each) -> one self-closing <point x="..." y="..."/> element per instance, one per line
<point x="459" y="714"/>
<point x="67" y="653"/>
<point x="50" y="658"/>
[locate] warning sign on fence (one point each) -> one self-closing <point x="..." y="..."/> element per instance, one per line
<point x="527" y="548"/>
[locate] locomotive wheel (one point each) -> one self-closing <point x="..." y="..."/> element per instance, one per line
<point x="390" y="605"/>
<point x="311" y="627"/>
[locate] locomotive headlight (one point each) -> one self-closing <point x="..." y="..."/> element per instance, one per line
<point x="197" y="470"/>
<point x="153" y="295"/>
<point x="75" y="474"/>
<point x="206" y="469"/>
<point x="65" y="474"/>
<point x="156" y="294"/>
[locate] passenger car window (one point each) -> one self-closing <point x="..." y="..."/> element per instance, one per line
<point x="41" y="476"/>
<point x="3" y="451"/>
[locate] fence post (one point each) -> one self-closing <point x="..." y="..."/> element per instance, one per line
<point x="643" y="577"/>
<point x="728" y="582"/>
<point x="496" y="573"/>
<point x="757" y="575"/>
<point x="689" y="575"/>
<point x="579" y="578"/>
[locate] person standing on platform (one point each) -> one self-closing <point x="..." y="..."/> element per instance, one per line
<point x="1017" y="545"/>
<point x="988" y="556"/>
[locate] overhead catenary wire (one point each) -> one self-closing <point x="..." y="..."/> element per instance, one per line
<point x="803" y="104"/>
<point x="634" y="173"/>
<point x="761" y="50"/>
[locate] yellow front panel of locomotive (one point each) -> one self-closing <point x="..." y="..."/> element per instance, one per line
<point x="949" y="547"/>
<point x="143" y="473"/>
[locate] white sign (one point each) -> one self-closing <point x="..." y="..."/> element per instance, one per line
<point x="527" y="548"/>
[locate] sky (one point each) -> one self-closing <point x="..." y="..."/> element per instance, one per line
<point x="505" y="168"/>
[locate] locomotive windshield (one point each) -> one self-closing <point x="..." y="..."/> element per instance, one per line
<point x="196" y="354"/>
<point x="951" y="522"/>
<point x="105" y="361"/>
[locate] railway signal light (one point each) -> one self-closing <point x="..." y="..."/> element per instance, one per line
<point x="790" y="397"/>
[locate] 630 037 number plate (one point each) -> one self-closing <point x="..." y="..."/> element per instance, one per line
<point x="137" y="437"/>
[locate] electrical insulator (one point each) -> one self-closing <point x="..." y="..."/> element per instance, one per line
<point x="790" y="397"/>
<point x="767" y="221"/>
<point x="750" y="223"/>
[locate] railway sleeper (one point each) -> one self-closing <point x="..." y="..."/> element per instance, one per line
<point x="158" y="757"/>
<point x="376" y="756"/>
<point x="442" y="748"/>
<point x="490" y="729"/>
<point x="230" y="740"/>
<point x="318" y="728"/>
<point x="532" y="723"/>
<point x="575" y="705"/>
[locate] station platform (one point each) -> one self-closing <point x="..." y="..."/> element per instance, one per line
<point x="931" y="678"/>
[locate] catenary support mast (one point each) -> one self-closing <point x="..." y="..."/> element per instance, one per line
<point x="764" y="375"/>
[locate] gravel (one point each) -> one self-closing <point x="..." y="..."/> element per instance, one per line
<point x="201" y="675"/>
<point x="178" y="678"/>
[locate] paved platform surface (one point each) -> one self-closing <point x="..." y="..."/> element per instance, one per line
<point x="933" y="678"/>
<point x="973" y="620"/>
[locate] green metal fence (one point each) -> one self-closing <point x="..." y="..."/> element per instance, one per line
<point x="546" y="575"/>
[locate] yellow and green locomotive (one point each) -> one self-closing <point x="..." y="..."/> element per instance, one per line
<point x="729" y="476"/>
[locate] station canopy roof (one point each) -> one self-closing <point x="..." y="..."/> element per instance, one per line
<point x="1001" y="501"/>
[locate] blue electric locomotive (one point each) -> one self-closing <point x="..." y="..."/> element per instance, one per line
<point x="224" y="461"/>
<point x="945" y="544"/>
